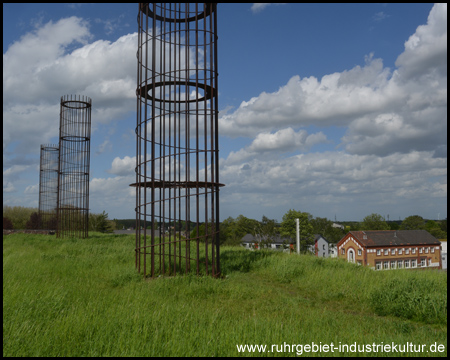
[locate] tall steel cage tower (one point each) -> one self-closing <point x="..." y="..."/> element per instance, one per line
<point x="74" y="157"/>
<point x="177" y="150"/>
<point x="48" y="186"/>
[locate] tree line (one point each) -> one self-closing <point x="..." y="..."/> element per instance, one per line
<point x="232" y="230"/>
<point x="19" y="217"/>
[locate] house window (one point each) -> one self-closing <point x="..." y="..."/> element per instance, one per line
<point x="399" y="264"/>
<point x="423" y="262"/>
<point x="343" y="251"/>
<point x="400" y="251"/>
<point x="429" y="262"/>
<point x="407" y="252"/>
<point x="378" y="265"/>
<point x="393" y="263"/>
<point x="323" y="246"/>
<point x="426" y="250"/>
<point x="386" y="252"/>
<point x="413" y="263"/>
<point x="392" y="251"/>
<point x="406" y="264"/>
<point x="378" y="252"/>
<point x="432" y="250"/>
<point x="359" y="252"/>
<point x="420" y="250"/>
<point x="386" y="265"/>
<point x="413" y="250"/>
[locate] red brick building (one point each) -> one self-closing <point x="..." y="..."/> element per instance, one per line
<point x="391" y="249"/>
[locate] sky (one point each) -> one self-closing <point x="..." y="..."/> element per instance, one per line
<point x="338" y="110"/>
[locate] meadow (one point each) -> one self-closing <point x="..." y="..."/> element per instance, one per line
<point x="83" y="297"/>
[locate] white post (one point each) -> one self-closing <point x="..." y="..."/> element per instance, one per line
<point x="297" y="225"/>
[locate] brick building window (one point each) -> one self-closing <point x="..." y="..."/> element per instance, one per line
<point x="399" y="264"/>
<point x="378" y="265"/>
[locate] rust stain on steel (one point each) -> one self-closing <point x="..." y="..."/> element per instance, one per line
<point x="177" y="149"/>
<point x="74" y="162"/>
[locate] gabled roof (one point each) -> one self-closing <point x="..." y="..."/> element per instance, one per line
<point x="318" y="236"/>
<point x="371" y="238"/>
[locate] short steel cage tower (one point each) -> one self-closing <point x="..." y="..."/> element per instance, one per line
<point x="48" y="186"/>
<point x="74" y="158"/>
<point x="177" y="151"/>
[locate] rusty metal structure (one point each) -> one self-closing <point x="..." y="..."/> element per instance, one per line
<point x="48" y="185"/>
<point x="73" y="168"/>
<point x="177" y="149"/>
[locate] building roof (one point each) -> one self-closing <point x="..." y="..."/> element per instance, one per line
<point x="371" y="238"/>
<point x="319" y="236"/>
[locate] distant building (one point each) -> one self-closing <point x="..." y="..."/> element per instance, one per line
<point x="277" y="243"/>
<point x="321" y="247"/>
<point x="391" y="249"/>
<point x="338" y="226"/>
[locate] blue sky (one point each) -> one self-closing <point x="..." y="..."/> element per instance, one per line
<point x="339" y="110"/>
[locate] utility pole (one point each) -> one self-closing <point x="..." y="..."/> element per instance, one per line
<point x="297" y="226"/>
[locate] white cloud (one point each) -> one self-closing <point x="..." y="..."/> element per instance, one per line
<point x="267" y="145"/>
<point x="123" y="166"/>
<point x="40" y="68"/>
<point x="385" y="111"/>
<point x="427" y="47"/>
<point x="112" y="195"/>
<point x="258" y="7"/>
<point x="336" y="99"/>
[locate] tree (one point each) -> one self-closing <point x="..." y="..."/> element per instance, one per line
<point x="18" y="215"/>
<point x="414" y="222"/>
<point x="100" y="223"/>
<point x="288" y="228"/>
<point x="374" y="222"/>
<point x="434" y="229"/>
<point x="325" y="227"/>
<point x="266" y="231"/>
<point x="34" y="222"/>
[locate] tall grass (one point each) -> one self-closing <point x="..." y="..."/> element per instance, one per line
<point x="83" y="297"/>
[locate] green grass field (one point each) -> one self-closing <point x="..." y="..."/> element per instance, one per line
<point x="83" y="297"/>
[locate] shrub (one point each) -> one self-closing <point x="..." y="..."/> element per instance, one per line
<point x="7" y="224"/>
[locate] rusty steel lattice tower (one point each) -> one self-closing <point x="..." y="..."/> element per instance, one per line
<point x="177" y="154"/>
<point x="48" y="185"/>
<point x="74" y="156"/>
